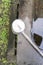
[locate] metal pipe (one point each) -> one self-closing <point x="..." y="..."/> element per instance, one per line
<point x="33" y="44"/>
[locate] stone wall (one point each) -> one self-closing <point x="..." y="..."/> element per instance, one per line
<point x="25" y="13"/>
<point x="38" y="8"/>
<point x="41" y="9"/>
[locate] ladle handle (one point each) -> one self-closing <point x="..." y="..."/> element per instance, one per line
<point x="33" y="44"/>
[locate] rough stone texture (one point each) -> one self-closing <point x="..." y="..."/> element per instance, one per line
<point x="26" y="9"/>
<point x="41" y="9"/>
<point x="26" y="55"/>
<point x="38" y="8"/>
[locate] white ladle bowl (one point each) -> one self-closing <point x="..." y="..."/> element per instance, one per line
<point x="18" y="26"/>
